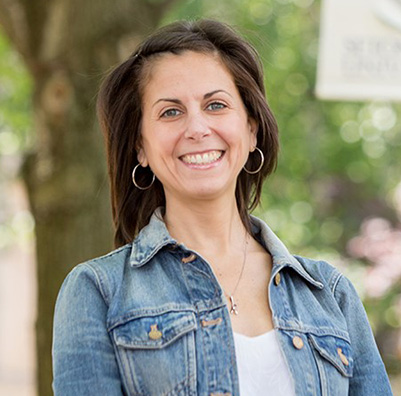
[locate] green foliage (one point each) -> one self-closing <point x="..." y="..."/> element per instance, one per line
<point x="15" y="133"/>
<point x="15" y="102"/>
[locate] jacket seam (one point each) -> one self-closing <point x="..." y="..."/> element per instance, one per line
<point x="99" y="283"/>
<point x="111" y="254"/>
<point x="198" y="315"/>
<point x="334" y="280"/>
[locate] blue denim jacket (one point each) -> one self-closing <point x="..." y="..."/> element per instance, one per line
<point x="150" y="319"/>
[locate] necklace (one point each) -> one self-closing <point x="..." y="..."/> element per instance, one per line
<point x="234" y="306"/>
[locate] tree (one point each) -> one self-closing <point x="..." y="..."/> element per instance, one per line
<point x="67" y="46"/>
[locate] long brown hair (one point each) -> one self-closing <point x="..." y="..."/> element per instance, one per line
<point x="120" y="114"/>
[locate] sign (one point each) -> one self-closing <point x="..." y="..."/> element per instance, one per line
<point x="360" y="50"/>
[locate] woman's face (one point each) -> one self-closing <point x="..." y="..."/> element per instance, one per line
<point x="196" y="134"/>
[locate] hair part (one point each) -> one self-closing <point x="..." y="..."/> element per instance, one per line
<point x="120" y="113"/>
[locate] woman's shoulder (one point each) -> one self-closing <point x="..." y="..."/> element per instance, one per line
<point x="331" y="278"/>
<point x="321" y="271"/>
<point x="108" y="263"/>
<point x="111" y="259"/>
<point x="103" y="273"/>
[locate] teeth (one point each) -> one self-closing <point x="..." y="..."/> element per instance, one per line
<point x="202" y="159"/>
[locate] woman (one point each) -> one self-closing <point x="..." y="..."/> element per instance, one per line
<point x="200" y="298"/>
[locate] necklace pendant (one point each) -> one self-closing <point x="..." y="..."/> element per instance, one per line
<point x="233" y="310"/>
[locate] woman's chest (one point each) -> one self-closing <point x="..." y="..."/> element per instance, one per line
<point x="173" y="335"/>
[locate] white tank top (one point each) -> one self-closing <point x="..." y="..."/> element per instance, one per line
<point x="261" y="366"/>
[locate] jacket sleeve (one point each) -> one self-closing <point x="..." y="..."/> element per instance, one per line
<point x="369" y="374"/>
<point x="84" y="362"/>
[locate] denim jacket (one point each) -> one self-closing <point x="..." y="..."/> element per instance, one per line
<point x="150" y="318"/>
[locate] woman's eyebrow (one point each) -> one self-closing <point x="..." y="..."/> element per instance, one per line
<point x="178" y="101"/>
<point x="209" y="94"/>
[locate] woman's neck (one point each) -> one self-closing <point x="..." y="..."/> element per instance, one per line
<point x="213" y="226"/>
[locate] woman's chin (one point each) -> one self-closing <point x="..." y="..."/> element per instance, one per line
<point x="209" y="190"/>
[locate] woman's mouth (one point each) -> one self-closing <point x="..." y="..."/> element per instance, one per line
<point x="202" y="158"/>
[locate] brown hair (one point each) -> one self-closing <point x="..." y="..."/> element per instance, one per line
<point x="119" y="110"/>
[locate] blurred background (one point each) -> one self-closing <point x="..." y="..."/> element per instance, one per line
<point x="336" y="194"/>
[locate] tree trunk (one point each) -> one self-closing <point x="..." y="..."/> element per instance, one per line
<point x="67" y="45"/>
<point x="67" y="187"/>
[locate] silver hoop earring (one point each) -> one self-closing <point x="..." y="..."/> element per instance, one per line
<point x="262" y="161"/>
<point x="135" y="183"/>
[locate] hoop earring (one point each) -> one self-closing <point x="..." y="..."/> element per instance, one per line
<point x="135" y="183"/>
<point x="262" y="161"/>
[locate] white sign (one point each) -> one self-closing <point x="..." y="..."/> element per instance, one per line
<point x="360" y="50"/>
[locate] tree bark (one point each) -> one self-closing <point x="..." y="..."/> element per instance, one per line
<point x="67" y="45"/>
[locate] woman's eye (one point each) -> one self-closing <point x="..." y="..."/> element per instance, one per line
<point x="216" y="106"/>
<point x="170" y="113"/>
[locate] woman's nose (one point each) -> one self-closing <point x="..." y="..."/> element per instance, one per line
<point x="197" y="127"/>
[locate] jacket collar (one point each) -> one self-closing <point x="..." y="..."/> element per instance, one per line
<point x="155" y="236"/>
<point x="150" y="240"/>
<point x="280" y="255"/>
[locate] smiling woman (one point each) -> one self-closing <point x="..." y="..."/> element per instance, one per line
<point x="201" y="298"/>
<point x="128" y="93"/>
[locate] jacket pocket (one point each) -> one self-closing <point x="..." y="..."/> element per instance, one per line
<point x="334" y="362"/>
<point x="157" y="353"/>
<point x="336" y="351"/>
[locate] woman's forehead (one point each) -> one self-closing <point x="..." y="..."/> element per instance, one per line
<point x="188" y="70"/>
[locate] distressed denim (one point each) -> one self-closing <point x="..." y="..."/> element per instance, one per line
<point x="150" y="318"/>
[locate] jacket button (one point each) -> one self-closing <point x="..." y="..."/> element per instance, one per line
<point x="154" y="333"/>
<point x="221" y="394"/>
<point x="297" y="342"/>
<point x="342" y="357"/>
<point x="189" y="259"/>
<point x="213" y="322"/>
<point x="277" y="279"/>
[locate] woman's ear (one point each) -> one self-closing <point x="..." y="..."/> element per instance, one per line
<point x="141" y="156"/>
<point x="253" y="128"/>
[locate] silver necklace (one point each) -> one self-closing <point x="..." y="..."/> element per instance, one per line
<point x="234" y="306"/>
